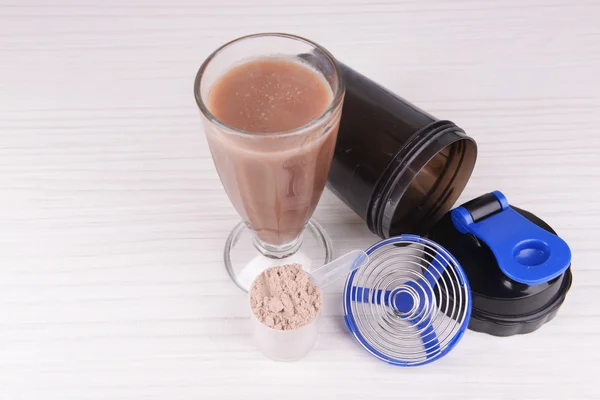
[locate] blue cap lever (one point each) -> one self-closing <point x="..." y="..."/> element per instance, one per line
<point x="525" y="252"/>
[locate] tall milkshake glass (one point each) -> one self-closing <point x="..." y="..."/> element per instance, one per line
<point x="271" y="106"/>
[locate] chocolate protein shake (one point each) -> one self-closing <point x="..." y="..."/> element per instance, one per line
<point x="272" y="149"/>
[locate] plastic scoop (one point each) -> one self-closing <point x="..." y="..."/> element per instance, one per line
<point x="339" y="268"/>
<point x="294" y="344"/>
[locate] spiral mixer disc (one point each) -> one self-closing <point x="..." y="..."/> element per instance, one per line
<point x="410" y="304"/>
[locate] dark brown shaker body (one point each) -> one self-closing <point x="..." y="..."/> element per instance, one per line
<point x="396" y="166"/>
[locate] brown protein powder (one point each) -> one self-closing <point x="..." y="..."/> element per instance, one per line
<point x="285" y="298"/>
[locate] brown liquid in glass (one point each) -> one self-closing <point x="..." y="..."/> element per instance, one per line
<point x="273" y="179"/>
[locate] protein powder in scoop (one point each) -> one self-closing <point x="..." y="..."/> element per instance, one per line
<point x="285" y="298"/>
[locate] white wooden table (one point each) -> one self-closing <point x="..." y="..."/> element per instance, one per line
<point x="113" y="219"/>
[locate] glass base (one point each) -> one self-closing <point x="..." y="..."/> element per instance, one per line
<point x="245" y="259"/>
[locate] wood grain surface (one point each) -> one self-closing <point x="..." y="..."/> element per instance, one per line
<point x="113" y="219"/>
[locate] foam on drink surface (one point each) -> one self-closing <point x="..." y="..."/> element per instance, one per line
<point x="269" y="95"/>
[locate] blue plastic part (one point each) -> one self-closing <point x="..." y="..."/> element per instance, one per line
<point x="402" y="301"/>
<point x="428" y="336"/>
<point x="525" y="252"/>
<point x="402" y="304"/>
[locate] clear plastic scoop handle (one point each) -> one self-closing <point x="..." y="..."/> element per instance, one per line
<point x="339" y="268"/>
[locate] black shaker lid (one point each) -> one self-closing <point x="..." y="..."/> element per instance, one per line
<point x="503" y="306"/>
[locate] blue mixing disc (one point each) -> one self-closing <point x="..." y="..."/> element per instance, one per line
<point x="410" y="304"/>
